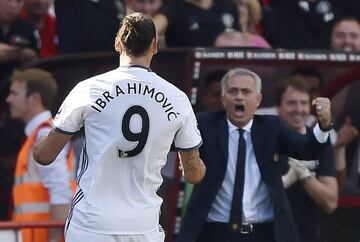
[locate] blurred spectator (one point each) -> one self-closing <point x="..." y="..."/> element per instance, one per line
<point x="195" y="23"/>
<point x="345" y="35"/>
<point x="149" y="7"/>
<point x="346" y="133"/>
<point x="40" y="193"/>
<point x="250" y="17"/>
<point x="36" y="12"/>
<point x="18" y="40"/>
<point x="348" y="172"/>
<point x="239" y="39"/>
<point x="299" y="24"/>
<point x="211" y="96"/>
<point x="312" y="78"/>
<point x="311" y="185"/>
<point x="86" y="25"/>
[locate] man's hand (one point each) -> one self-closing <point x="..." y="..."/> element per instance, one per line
<point x="300" y="168"/>
<point x="27" y="55"/>
<point x="8" y="52"/>
<point x="289" y="178"/>
<point x="323" y="111"/>
<point x="346" y="133"/>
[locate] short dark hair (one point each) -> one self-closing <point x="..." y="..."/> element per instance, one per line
<point x="38" y="81"/>
<point x="306" y="72"/>
<point x="136" y="33"/>
<point x="284" y="83"/>
<point x="214" y="76"/>
<point x="346" y="18"/>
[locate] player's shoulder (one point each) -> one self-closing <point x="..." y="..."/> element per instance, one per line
<point x="97" y="79"/>
<point x="106" y="76"/>
<point x="170" y="87"/>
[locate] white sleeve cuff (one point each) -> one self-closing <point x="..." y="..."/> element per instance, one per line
<point x="61" y="196"/>
<point x="321" y="136"/>
<point x="333" y="137"/>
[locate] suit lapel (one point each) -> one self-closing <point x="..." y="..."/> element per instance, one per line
<point x="223" y="137"/>
<point x="259" y="138"/>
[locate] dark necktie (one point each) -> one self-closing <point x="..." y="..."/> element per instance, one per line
<point x="236" y="205"/>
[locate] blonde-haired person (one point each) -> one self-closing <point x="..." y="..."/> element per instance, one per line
<point x="39" y="193"/>
<point x="239" y="39"/>
<point x="250" y="16"/>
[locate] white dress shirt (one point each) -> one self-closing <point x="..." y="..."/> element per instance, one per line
<point x="55" y="177"/>
<point x="257" y="204"/>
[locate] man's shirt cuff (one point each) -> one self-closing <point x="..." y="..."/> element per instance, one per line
<point x="321" y="136"/>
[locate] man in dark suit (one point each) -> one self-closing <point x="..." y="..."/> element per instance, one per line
<point x="241" y="151"/>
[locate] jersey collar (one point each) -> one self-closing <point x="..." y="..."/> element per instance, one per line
<point x="137" y="66"/>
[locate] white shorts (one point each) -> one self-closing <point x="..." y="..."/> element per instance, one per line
<point x="74" y="234"/>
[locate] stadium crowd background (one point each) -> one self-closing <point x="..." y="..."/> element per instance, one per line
<point x="34" y="30"/>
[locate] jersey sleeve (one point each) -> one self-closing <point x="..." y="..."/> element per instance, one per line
<point x="327" y="162"/>
<point x="70" y="116"/>
<point x="188" y="136"/>
<point x="56" y="177"/>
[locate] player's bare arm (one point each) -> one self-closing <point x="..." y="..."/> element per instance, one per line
<point x="192" y="166"/>
<point x="48" y="148"/>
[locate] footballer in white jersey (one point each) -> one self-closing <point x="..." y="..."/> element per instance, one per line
<point x="131" y="117"/>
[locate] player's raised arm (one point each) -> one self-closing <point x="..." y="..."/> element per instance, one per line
<point x="192" y="166"/>
<point x="48" y="148"/>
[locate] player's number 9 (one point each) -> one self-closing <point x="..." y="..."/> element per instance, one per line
<point x="140" y="137"/>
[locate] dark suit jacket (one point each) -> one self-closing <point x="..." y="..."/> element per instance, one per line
<point x="270" y="138"/>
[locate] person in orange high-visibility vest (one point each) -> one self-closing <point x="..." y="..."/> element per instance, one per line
<point x="40" y="193"/>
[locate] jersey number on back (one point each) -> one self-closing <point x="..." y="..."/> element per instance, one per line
<point x="140" y="137"/>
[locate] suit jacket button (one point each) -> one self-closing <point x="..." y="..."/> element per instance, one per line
<point x="276" y="157"/>
<point x="234" y="226"/>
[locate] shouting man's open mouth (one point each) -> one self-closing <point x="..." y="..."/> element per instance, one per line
<point x="239" y="109"/>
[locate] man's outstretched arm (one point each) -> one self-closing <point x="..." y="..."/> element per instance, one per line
<point x="192" y="166"/>
<point x="48" y="148"/>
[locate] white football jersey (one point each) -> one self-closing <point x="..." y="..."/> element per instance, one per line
<point x="131" y="117"/>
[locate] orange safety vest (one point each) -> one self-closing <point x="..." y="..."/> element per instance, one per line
<point x="31" y="198"/>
